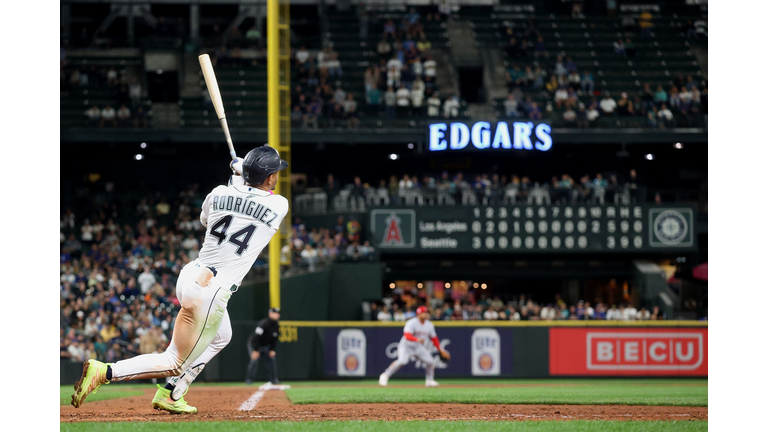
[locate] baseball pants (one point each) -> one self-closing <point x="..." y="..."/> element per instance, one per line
<point x="202" y="329"/>
<point x="407" y="350"/>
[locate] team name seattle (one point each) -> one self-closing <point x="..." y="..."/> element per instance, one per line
<point x="246" y="207"/>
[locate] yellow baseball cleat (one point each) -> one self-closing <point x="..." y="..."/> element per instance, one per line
<point x="94" y="375"/>
<point x="163" y="401"/>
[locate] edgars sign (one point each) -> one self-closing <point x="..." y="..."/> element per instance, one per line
<point x="516" y="135"/>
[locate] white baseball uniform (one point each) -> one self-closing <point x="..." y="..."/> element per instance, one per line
<point x="410" y="348"/>
<point x="407" y="349"/>
<point x="240" y="222"/>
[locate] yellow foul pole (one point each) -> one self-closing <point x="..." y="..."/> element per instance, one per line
<point x="278" y="123"/>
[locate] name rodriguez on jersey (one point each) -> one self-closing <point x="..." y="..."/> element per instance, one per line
<point x="246" y="207"/>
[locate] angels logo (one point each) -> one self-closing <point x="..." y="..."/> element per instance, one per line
<point x="394" y="228"/>
<point x="393" y="235"/>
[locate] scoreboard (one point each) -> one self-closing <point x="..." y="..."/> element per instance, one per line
<point x="534" y="228"/>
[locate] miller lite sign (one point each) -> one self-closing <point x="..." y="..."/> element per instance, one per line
<point x="350" y="352"/>
<point x="486" y="352"/>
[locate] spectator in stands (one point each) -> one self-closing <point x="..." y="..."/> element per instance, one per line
<point x="134" y="92"/>
<point x="384" y="314"/>
<point x="423" y="45"/>
<point x="417" y="97"/>
<point x="373" y="97"/>
<point x="576" y="10"/>
<point x="433" y="105"/>
<point x="142" y="117"/>
<point x="608" y="105"/>
<point x="390" y="102"/>
<point x="390" y="29"/>
<point x="394" y="69"/>
<point x="561" y="96"/>
<point x="350" y="112"/>
<point x="569" y="116"/>
<point x="112" y="77"/>
<point x="570" y="66"/>
<point x="574" y="81"/>
<point x="559" y="69"/>
<point x="510" y="107"/>
<point x="94" y="115"/>
<point x="587" y="83"/>
<point x="629" y="47"/>
<point x="665" y="116"/>
<point x="108" y="115"/>
<point x="535" y="112"/>
<point x="334" y="65"/>
<point x="406" y="76"/>
<point x="384" y="48"/>
<point x="539" y="48"/>
<point x="123" y="116"/>
<point x="430" y="67"/>
<point x="451" y="107"/>
<point x="302" y="56"/>
<point x="624" y="106"/>
<point x="253" y="37"/>
<point x="660" y="97"/>
<point x="619" y="49"/>
<point x="515" y="77"/>
<point x="657" y="314"/>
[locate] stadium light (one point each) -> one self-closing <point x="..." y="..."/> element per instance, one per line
<point x="419" y="285"/>
<point x="410" y="146"/>
<point x="143" y="145"/>
<point x="679" y="146"/>
<point x="649" y="156"/>
<point x="483" y="286"/>
<point x="447" y="285"/>
<point x="139" y="157"/>
<point x="393" y="156"/>
<point x="475" y="285"/>
<point x="392" y="286"/>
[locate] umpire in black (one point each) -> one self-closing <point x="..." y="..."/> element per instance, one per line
<point x="263" y="342"/>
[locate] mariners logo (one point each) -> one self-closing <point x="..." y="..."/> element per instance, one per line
<point x="670" y="227"/>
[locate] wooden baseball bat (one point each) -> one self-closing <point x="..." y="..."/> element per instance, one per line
<point x="218" y="105"/>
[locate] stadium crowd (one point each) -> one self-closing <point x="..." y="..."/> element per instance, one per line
<point x="310" y="248"/>
<point x="402" y="306"/>
<point x="490" y="189"/>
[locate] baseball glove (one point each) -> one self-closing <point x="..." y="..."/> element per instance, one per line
<point x="445" y="356"/>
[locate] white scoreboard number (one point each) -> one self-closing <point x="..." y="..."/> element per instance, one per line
<point x="551" y="228"/>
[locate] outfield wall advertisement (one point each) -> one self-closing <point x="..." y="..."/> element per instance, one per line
<point x="369" y="351"/>
<point x="628" y="351"/>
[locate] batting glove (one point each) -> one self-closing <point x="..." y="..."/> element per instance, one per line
<point x="237" y="166"/>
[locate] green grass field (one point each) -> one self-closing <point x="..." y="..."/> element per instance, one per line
<point x="569" y="392"/>
<point x="679" y="392"/>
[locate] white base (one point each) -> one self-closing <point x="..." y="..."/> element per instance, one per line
<point x="270" y="386"/>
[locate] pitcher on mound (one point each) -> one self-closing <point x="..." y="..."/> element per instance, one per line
<point x="415" y="333"/>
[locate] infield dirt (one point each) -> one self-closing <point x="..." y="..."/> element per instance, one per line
<point x="223" y="403"/>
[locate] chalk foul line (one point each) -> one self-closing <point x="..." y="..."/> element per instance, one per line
<point x="252" y="401"/>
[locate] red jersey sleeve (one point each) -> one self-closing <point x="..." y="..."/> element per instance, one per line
<point x="436" y="342"/>
<point x="410" y="337"/>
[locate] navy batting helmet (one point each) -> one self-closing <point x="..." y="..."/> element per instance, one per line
<point x="260" y="162"/>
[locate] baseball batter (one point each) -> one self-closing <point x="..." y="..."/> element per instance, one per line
<point x="240" y="218"/>
<point x="415" y="333"/>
